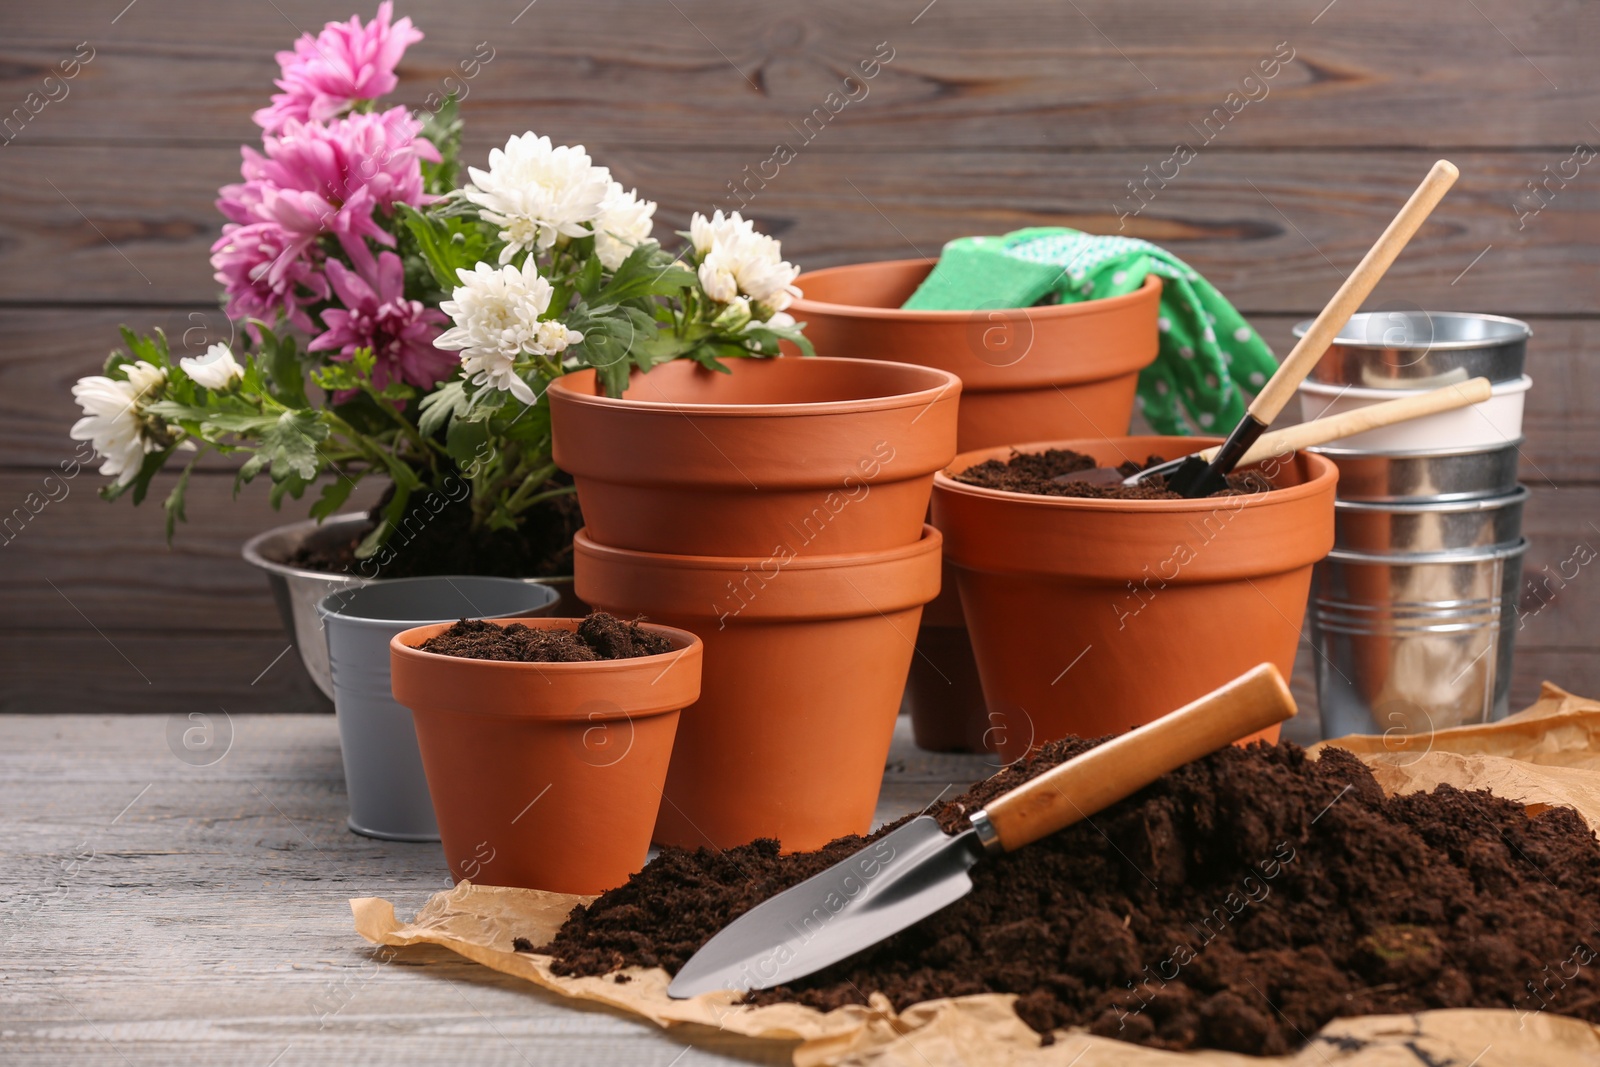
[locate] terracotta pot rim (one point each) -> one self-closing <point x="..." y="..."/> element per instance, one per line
<point x="942" y="384"/>
<point x="862" y="311"/>
<point x="1325" y="470"/>
<point x="682" y="641"/>
<point x="929" y="541"/>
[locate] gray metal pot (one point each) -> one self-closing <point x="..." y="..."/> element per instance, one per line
<point x="1414" y="643"/>
<point x="1421" y="349"/>
<point x="1435" y="474"/>
<point x="1428" y="525"/>
<point x="382" y="766"/>
<point x="297" y="590"/>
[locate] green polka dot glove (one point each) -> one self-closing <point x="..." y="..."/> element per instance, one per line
<point x="1209" y="355"/>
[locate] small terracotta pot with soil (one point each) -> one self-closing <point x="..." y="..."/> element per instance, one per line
<point x="827" y="456"/>
<point x="1090" y="616"/>
<point x="805" y="662"/>
<point x="546" y="742"/>
<point x="1027" y="374"/>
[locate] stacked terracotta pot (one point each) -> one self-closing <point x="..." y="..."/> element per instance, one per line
<point x="1028" y="374"/>
<point x="777" y="512"/>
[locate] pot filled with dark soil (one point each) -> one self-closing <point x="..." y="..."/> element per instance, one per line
<point x="305" y="561"/>
<point x="805" y="663"/>
<point x="826" y="456"/>
<point x="1093" y="609"/>
<point x="546" y="742"/>
<point x="1238" y="903"/>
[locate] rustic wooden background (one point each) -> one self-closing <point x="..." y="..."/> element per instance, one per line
<point x="991" y="115"/>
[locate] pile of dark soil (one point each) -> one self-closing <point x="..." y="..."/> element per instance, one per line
<point x="436" y="537"/>
<point x="600" y="636"/>
<point x="1239" y="903"/>
<point x="1034" y="472"/>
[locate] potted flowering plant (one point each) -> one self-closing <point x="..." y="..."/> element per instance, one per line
<point x="402" y="324"/>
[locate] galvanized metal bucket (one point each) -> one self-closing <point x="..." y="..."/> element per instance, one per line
<point x="1434" y="474"/>
<point x="1428" y="525"/>
<point x="1422" y="349"/>
<point x="1414" y="643"/>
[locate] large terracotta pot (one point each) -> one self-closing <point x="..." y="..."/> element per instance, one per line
<point x="545" y="775"/>
<point x="1027" y="374"/>
<point x="819" y="456"/>
<point x="1090" y="617"/>
<point x="805" y="661"/>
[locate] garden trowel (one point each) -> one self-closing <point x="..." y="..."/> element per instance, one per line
<point x="917" y="869"/>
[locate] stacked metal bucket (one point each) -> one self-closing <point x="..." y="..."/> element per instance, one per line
<point x="1413" y="613"/>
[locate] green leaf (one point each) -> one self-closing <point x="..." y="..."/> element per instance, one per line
<point x="284" y="371"/>
<point x="646" y="272"/>
<point x="447" y="244"/>
<point x="140" y="482"/>
<point x="334" y="494"/>
<point x="443" y="405"/>
<point x="174" y="504"/>
<point x="291" y="445"/>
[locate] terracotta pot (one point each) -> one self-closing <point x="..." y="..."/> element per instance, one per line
<point x="1027" y="374"/>
<point x="944" y="695"/>
<point x="545" y="775"/>
<point x="1060" y="370"/>
<point x="1091" y="617"/>
<point x="805" y="662"/>
<point x="823" y="456"/>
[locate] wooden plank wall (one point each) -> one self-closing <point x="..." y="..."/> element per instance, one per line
<point x="988" y="116"/>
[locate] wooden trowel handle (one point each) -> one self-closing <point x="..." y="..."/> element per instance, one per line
<point x="1356" y="288"/>
<point x="1106" y="774"/>
<point x="1360" y="420"/>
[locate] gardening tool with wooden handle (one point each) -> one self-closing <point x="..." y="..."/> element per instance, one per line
<point x="1201" y="478"/>
<point x="1306" y="434"/>
<point x="914" y="871"/>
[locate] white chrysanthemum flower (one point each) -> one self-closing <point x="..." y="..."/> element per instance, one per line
<point x="624" y="223"/>
<point x="538" y="192"/>
<point x="217" y="370"/>
<point x="112" y="420"/>
<point x="736" y="260"/>
<point x="496" y="314"/>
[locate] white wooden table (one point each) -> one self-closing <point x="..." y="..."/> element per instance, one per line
<point x="160" y="910"/>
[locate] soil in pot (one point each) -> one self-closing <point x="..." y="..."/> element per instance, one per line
<point x="599" y="636"/>
<point x="1238" y="903"/>
<point x="546" y="773"/>
<point x="436" y="537"/>
<point x="1035" y="472"/>
<point x="1090" y="615"/>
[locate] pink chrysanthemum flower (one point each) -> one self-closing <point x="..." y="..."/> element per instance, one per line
<point x="377" y="315"/>
<point x="346" y="63"/>
<point x="264" y="271"/>
<point x="318" y="178"/>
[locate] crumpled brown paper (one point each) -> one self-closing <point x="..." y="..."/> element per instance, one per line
<point x="1544" y="756"/>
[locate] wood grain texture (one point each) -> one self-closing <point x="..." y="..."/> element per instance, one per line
<point x="157" y="912"/>
<point x="987" y="117"/>
<point x="1005" y="73"/>
<point x="1274" y="231"/>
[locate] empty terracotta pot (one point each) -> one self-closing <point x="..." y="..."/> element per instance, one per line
<point x="805" y="661"/>
<point x="1059" y="370"/>
<point x="814" y="456"/>
<point x="1062" y="370"/>
<point x="545" y="775"/>
<point x="1090" y="617"/>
